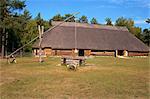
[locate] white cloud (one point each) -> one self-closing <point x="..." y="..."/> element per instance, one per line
<point x="132" y="3"/>
<point x="139" y="21"/>
<point x="125" y="3"/>
<point x="106" y="6"/>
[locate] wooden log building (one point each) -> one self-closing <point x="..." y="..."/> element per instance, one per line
<point x="88" y="39"/>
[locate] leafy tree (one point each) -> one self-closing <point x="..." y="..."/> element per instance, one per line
<point x="39" y="20"/>
<point x="83" y="19"/>
<point x="71" y="19"/>
<point x="46" y="25"/>
<point x="19" y="31"/>
<point x="57" y="17"/>
<point x="108" y="21"/>
<point x="146" y="36"/>
<point x="9" y="12"/>
<point x="121" y="21"/>
<point x="32" y="30"/>
<point x="129" y="23"/>
<point x="124" y="22"/>
<point x="136" y="31"/>
<point x="94" y="21"/>
<point x="10" y="21"/>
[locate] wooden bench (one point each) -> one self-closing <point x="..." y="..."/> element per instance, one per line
<point x="65" y="60"/>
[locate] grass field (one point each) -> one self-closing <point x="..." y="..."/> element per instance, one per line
<point x="102" y="78"/>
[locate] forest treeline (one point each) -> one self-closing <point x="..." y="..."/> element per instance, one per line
<point x="17" y="26"/>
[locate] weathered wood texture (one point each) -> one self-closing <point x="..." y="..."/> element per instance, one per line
<point x="138" y="53"/>
<point x="50" y="52"/>
<point x="103" y="53"/>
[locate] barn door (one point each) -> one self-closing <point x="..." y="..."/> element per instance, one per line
<point x="81" y="52"/>
<point x="120" y="52"/>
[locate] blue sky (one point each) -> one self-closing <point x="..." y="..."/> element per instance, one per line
<point x="138" y="10"/>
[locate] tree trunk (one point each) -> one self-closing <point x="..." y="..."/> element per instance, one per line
<point x="3" y="43"/>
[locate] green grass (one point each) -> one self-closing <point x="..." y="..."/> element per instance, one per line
<point x="102" y="78"/>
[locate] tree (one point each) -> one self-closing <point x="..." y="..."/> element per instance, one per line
<point x="124" y="22"/>
<point x="94" y="21"/>
<point x="57" y="17"/>
<point x="121" y="21"/>
<point x="137" y="32"/>
<point x="17" y="34"/>
<point x="71" y="19"/>
<point x="25" y="34"/>
<point x="129" y="23"/>
<point x="108" y="21"/>
<point x="148" y="20"/>
<point x="83" y="19"/>
<point x="9" y="21"/>
<point x="32" y="30"/>
<point x="39" y="20"/>
<point x="146" y="36"/>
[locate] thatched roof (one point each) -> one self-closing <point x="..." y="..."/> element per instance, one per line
<point x="93" y="37"/>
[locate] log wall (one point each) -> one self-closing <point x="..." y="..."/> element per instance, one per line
<point x="50" y="52"/>
<point x="138" y="53"/>
<point x="103" y="53"/>
<point x="87" y="52"/>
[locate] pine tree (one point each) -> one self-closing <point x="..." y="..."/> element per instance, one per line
<point x="94" y="21"/>
<point x="39" y="20"/>
<point x="108" y="21"/>
<point x="57" y="17"/>
<point x="9" y="18"/>
<point x="83" y="19"/>
<point x="148" y="20"/>
<point x="71" y="19"/>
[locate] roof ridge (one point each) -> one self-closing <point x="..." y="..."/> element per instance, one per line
<point x="86" y="25"/>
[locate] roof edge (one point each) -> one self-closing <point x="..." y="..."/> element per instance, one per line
<point x="86" y="25"/>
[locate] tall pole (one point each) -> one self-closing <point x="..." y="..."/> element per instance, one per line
<point x="76" y="50"/>
<point x="40" y="37"/>
<point x="40" y="59"/>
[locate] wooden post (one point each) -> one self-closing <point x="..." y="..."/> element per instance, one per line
<point x="125" y="53"/>
<point x="116" y="53"/>
<point x="40" y="47"/>
<point x="76" y="50"/>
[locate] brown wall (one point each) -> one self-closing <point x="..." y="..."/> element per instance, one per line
<point x="50" y="52"/>
<point x="36" y="52"/>
<point x="62" y="52"/>
<point x="137" y="53"/>
<point x="103" y="53"/>
<point x="87" y="52"/>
